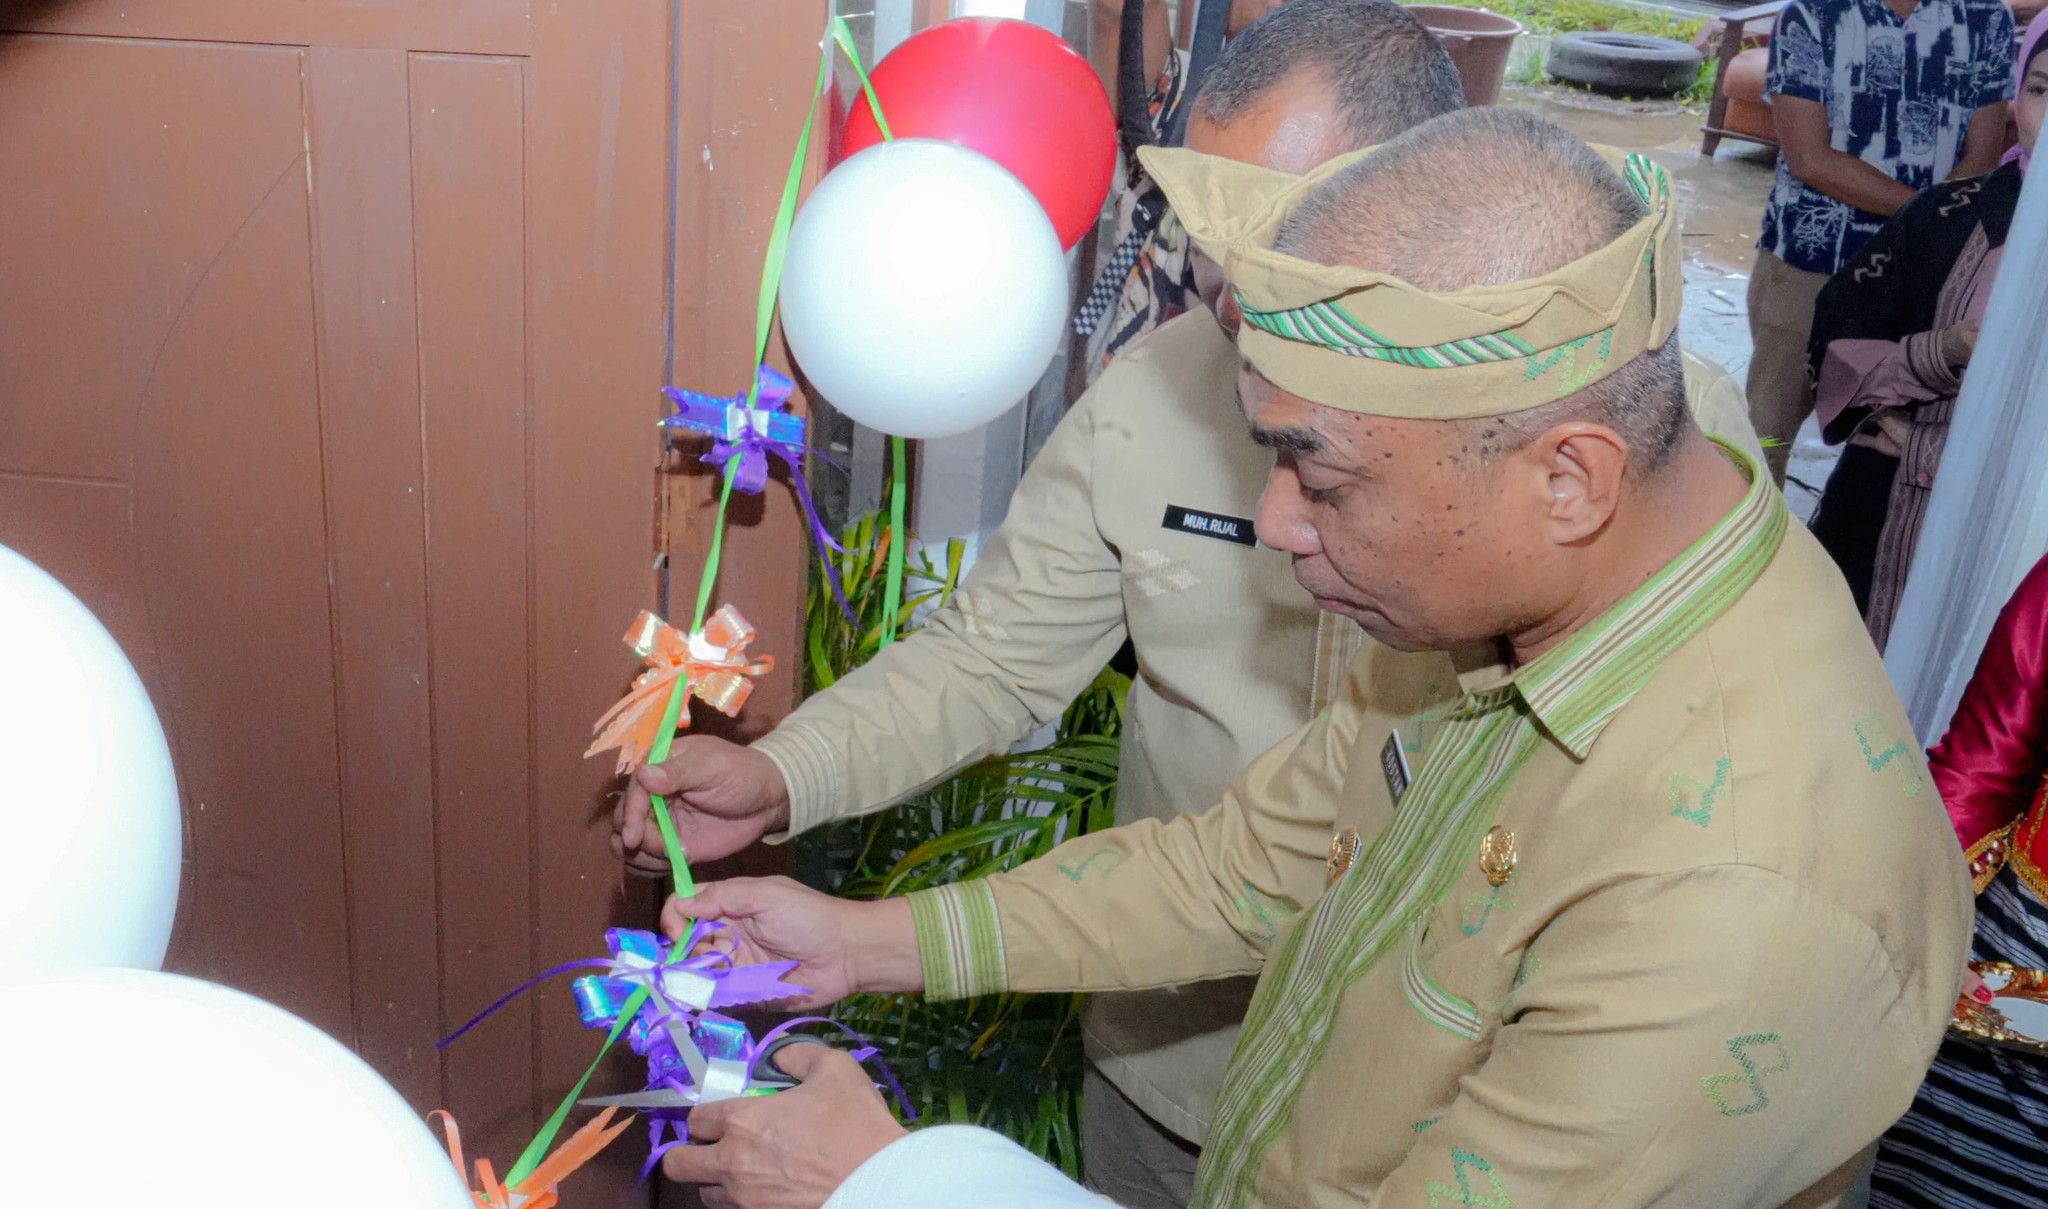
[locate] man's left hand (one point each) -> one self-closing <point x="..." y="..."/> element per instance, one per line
<point x="790" y="1150"/>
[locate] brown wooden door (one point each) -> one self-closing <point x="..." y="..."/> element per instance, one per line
<point x="331" y="335"/>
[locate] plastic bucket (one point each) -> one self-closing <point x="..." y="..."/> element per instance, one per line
<point x="1479" y="42"/>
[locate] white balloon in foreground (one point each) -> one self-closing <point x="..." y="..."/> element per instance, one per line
<point x="924" y="291"/>
<point x="124" y="1085"/>
<point x="90" y="836"/>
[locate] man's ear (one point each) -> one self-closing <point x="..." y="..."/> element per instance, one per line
<point x="1584" y="466"/>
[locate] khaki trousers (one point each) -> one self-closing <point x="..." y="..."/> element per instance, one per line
<point x="1127" y="1156"/>
<point x="1780" y="322"/>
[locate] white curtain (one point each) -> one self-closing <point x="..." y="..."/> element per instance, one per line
<point x="1988" y="521"/>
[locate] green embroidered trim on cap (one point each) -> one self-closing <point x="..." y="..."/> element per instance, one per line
<point x="1328" y="325"/>
<point x="1436" y="1005"/>
<point x="960" y="941"/>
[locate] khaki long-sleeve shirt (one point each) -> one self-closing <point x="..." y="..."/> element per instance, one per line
<point x="1135" y="519"/>
<point x="1715" y="971"/>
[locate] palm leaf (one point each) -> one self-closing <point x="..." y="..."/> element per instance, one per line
<point x="1006" y="1062"/>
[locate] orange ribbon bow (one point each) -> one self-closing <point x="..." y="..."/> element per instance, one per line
<point x="536" y="1191"/>
<point x="714" y="667"/>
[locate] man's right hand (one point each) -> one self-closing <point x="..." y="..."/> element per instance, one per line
<point x="840" y="946"/>
<point x="722" y="797"/>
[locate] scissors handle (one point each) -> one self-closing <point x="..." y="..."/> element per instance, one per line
<point x="767" y="1074"/>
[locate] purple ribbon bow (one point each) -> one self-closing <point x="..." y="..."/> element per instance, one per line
<point x="644" y="959"/>
<point x="745" y="433"/>
<point x="683" y="1002"/>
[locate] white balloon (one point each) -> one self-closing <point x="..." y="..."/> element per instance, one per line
<point x="924" y="291"/>
<point x="124" y="1086"/>
<point x="90" y="836"/>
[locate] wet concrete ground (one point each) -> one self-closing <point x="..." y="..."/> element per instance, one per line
<point x="1721" y="200"/>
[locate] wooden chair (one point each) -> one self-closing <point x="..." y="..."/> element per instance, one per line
<point x="1744" y="123"/>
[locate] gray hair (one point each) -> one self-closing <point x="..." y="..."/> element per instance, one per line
<point x="1488" y="197"/>
<point x="1388" y="72"/>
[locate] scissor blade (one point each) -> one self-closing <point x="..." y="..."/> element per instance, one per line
<point x="664" y="1098"/>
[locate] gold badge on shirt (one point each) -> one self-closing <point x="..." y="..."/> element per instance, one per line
<point x="1497" y="856"/>
<point x="1343" y="851"/>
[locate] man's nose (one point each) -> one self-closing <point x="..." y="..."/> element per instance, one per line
<point x="1283" y="522"/>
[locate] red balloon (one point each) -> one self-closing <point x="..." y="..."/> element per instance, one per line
<point x="1016" y="93"/>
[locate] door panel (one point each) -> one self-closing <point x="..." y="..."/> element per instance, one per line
<point x="468" y="166"/>
<point x="331" y="339"/>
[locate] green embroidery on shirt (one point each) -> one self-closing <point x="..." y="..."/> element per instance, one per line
<point x="1075" y="873"/>
<point x="1262" y="914"/>
<point x="1869" y="728"/>
<point x="1685" y="786"/>
<point x="1480" y="907"/>
<point x="1422" y="1126"/>
<point x="1752" y="1077"/>
<point x="1464" y="1163"/>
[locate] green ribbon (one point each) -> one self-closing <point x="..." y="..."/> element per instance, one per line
<point x="537" y="1149"/>
<point x="764" y="322"/>
<point x="892" y="586"/>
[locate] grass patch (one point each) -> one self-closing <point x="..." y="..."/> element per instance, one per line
<point x="1587" y="16"/>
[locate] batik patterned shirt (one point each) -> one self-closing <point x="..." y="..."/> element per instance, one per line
<point x="1142" y="278"/>
<point x="1899" y="96"/>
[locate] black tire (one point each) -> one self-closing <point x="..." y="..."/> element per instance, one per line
<point x="1630" y="63"/>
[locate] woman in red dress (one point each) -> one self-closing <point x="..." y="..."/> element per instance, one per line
<point x="1977" y="1134"/>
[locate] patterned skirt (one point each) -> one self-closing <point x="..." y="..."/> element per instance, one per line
<point x="1977" y="1134"/>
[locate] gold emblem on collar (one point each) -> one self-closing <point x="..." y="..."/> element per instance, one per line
<point x="1497" y="856"/>
<point x="1343" y="851"/>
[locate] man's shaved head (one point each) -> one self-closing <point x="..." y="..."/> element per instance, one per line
<point x="1487" y="197"/>
<point x="1385" y="69"/>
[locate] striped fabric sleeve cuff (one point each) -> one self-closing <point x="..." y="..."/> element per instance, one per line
<point x="960" y="941"/>
<point x="810" y="769"/>
<point x="1923" y="357"/>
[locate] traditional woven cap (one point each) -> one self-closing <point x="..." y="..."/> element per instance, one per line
<point x="1369" y="342"/>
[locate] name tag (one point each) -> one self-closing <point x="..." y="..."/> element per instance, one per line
<point x="1394" y="763"/>
<point x="1210" y="524"/>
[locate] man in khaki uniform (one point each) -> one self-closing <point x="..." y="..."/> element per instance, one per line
<point x="1134" y="519"/>
<point x="1613" y="878"/>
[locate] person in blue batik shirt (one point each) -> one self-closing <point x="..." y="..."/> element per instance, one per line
<point x="1872" y="101"/>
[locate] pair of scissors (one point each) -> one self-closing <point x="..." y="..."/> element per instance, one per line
<point x="767" y="1079"/>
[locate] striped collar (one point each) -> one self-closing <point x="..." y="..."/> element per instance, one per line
<point x="1577" y="686"/>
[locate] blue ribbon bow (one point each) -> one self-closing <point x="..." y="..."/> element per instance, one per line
<point x="746" y="430"/>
